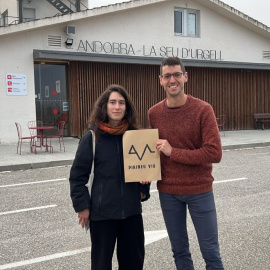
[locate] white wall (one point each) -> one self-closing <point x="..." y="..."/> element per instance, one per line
<point x="153" y="26"/>
<point x="12" y="6"/>
<point x="17" y="55"/>
<point x="43" y="8"/>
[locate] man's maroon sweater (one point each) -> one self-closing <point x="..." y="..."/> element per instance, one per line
<point x="193" y="133"/>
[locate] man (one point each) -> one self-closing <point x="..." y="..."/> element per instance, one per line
<point x="189" y="143"/>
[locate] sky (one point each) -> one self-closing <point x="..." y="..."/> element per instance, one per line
<point x="257" y="9"/>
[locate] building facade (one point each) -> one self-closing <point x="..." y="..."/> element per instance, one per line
<point x="59" y="65"/>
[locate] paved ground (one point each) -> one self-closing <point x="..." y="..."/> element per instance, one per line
<point x="40" y="230"/>
<point x="11" y="161"/>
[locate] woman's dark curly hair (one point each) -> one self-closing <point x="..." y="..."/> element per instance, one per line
<point x="99" y="112"/>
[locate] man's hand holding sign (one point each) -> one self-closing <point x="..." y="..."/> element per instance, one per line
<point x="164" y="146"/>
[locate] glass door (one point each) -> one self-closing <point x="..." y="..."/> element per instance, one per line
<point x="52" y="103"/>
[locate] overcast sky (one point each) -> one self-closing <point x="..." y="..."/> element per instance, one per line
<point x="257" y="9"/>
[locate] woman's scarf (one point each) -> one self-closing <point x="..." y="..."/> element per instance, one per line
<point x="119" y="129"/>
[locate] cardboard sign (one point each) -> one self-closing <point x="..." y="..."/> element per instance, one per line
<point x="141" y="158"/>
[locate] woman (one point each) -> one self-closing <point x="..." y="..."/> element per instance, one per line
<point x="115" y="206"/>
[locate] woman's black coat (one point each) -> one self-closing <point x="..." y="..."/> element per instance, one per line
<point x="111" y="197"/>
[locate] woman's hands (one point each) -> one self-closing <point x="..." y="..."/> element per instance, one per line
<point x="83" y="217"/>
<point x="145" y="182"/>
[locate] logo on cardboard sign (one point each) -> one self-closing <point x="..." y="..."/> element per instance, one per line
<point x="133" y="151"/>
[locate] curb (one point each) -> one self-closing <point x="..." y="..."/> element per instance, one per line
<point x="38" y="165"/>
<point x="244" y="146"/>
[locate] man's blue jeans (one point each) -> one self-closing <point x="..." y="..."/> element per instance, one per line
<point x="203" y="214"/>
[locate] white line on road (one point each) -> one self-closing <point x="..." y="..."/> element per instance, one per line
<point x="150" y="237"/>
<point x="31" y="183"/>
<point x="215" y="182"/>
<point x="44" y="258"/>
<point x="257" y="154"/>
<point x="62" y="179"/>
<point x="27" y="209"/>
<point x="153" y="236"/>
<point x="230" y="180"/>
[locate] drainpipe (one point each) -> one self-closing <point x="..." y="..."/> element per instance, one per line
<point x="78" y="5"/>
<point x="20" y="11"/>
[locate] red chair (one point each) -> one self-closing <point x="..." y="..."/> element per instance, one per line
<point x="60" y="136"/>
<point x="21" y="138"/>
<point x="33" y="132"/>
<point x="221" y="119"/>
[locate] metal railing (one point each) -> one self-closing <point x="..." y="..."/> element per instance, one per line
<point x="17" y="19"/>
<point x="74" y="5"/>
<point x="14" y="22"/>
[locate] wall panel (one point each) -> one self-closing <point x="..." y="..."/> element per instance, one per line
<point x="234" y="92"/>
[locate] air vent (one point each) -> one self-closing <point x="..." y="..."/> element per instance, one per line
<point x="266" y="54"/>
<point x="54" y="41"/>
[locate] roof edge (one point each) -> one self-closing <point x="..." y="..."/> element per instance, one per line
<point x="46" y="55"/>
<point x="241" y="15"/>
<point x="97" y="11"/>
<point x="67" y="18"/>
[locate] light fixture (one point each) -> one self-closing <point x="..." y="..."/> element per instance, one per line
<point x="69" y="42"/>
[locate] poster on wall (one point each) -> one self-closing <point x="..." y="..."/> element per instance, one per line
<point x="65" y="106"/>
<point x="47" y="93"/>
<point x="16" y="84"/>
<point x="57" y="86"/>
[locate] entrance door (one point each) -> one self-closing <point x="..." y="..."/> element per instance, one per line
<point x="51" y="94"/>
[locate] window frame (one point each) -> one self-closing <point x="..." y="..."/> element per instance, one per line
<point x="4" y="18"/>
<point x="185" y="29"/>
<point x="32" y="12"/>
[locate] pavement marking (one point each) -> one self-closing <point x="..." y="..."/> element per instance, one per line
<point x="153" y="236"/>
<point x="150" y="237"/>
<point x="257" y="154"/>
<point x="215" y="182"/>
<point x="31" y="183"/>
<point x="27" y="209"/>
<point x="44" y="258"/>
<point x="230" y="180"/>
<point x="63" y="179"/>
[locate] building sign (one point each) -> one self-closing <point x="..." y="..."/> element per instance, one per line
<point x="16" y="84"/>
<point x="150" y="51"/>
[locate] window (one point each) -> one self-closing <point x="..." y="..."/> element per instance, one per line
<point x="186" y="22"/>
<point x="4" y="19"/>
<point x="29" y="14"/>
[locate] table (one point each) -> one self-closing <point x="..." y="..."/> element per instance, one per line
<point x="41" y="135"/>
